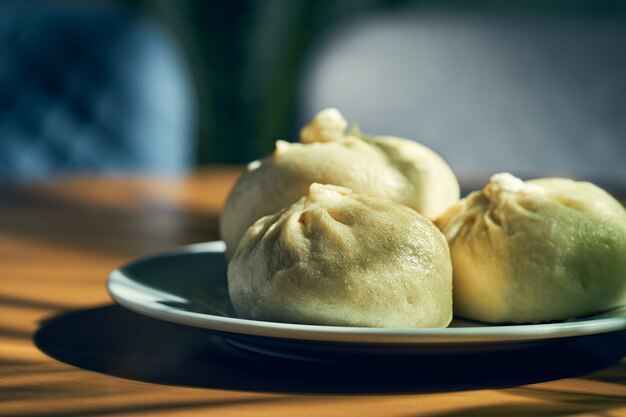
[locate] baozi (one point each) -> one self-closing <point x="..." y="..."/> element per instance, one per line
<point x="387" y="167"/>
<point x="340" y="258"/>
<point x="534" y="251"/>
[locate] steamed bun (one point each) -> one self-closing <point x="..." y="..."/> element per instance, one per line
<point x="339" y="258"/>
<point x="540" y="250"/>
<point x="397" y="169"/>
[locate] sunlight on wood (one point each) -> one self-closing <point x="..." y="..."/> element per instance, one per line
<point x="60" y="240"/>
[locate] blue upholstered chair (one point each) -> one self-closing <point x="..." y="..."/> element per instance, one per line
<point x="90" y="89"/>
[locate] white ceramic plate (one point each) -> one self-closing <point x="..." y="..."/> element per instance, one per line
<point x="188" y="286"/>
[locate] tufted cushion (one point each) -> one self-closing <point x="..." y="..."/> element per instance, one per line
<point x="89" y="89"/>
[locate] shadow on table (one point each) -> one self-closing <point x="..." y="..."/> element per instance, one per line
<point x="114" y="341"/>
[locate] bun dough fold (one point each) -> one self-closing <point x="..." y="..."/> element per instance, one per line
<point x="387" y="167"/>
<point x="340" y="258"/>
<point x="534" y="251"/>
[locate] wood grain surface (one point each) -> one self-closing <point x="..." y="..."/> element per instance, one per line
<point x="67" y="350"/>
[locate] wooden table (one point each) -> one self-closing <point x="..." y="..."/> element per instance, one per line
<point x="67" y="350"/>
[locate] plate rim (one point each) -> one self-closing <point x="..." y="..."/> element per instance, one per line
<point x="501" y="334"/>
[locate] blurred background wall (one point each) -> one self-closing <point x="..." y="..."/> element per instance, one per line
<point x="533" y="87"/>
